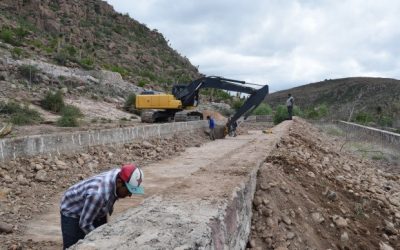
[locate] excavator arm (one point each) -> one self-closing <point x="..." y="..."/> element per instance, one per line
<point x="249" y="105"/>
<point x="188" y="93"/>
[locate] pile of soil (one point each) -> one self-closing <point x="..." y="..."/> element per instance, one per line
<point x="310" y="195"/>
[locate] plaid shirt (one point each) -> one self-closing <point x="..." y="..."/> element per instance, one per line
<point x="91" y="199"/>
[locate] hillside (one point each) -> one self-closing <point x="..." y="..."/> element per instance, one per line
<point x="377" y="97"/>
<point x="91" y="35"/>
<point x="93" y="55"/>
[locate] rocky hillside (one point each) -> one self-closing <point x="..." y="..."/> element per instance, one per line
<point x="91" y="35"/>
<point x="378" y="97"/>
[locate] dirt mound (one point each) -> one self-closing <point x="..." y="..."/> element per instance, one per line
<point x="214" y="114"/>
<point x="312" y="196"/>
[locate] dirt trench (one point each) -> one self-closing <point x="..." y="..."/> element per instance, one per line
<point x="34" y="216"/>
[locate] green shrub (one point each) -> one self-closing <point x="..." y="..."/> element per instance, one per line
<point x="386" y="121"/>
<point x="21" y="33"/>
<point x="70" y="110"/>
<point x="71" y="50"/>
<point x="61" y="58"/>
<point x="363" y="118"/>
<point x="121" y="70"/>
<point x="317" y="112"/>
<point x="53" y="101"/>
<point x="281" y="114"/>
<point x="16" y="53"/>
<point x="29" y="72"/>
<point x="262" y="109"/>
<point x="87" y="63"/>
<point x="7" y="35"/>
<point x="297" y="111"/>
<point x="69" y="116"/>
<point x="142" y="83"/>
<point x="222" y="95"/>
<point x="9" y="108"/>
<point x="67" y="121"/>
<point x="237" y="104"/>
<point x="130" y="102"/>
<point x="20" y="115"/>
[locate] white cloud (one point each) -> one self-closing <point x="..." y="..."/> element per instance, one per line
<point x="285" y="43"/>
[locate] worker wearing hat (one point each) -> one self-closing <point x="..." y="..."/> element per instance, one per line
<point x="85" y="205"/>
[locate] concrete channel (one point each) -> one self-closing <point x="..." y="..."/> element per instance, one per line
<point x="204" y="202"/>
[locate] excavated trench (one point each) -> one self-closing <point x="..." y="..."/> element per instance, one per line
<point x="202" y="199"/>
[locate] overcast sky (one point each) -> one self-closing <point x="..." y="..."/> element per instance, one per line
<point x="278" y="42"/>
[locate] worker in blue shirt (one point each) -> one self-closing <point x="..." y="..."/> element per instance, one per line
<point x="211" y="126"/>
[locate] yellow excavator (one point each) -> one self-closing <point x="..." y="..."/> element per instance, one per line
<point x="181" y="104"/>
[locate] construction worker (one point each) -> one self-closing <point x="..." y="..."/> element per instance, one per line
<point x="211" y="126"/>
<point x="85" y="205"/>
<point x="289" y="105"/>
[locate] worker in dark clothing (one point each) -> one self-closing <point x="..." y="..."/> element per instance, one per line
<point x="211" y="126"/>
<point x="85" y="205"/>
<point x="289" y="105"/>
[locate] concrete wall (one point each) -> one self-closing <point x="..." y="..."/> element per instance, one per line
<point x="11" y="148"/>
<point x="361" y="132"/>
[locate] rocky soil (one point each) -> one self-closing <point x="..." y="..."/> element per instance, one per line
<point x="312" y="196"/>
<point x="29" y="185"/>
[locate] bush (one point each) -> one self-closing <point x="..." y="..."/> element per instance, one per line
<point x="61" y="58"/>
<point x="317" y="112"/>
<point x="53" y="102"/>
<point x="130" y="102"/>
<point x="87" y="63"/>
<point x="363" y="118"/>
<point x="281" y="114"/>
<point x="16" y="53"/>
<point x="67" y="121"/>
<point x="142" y="83"/>
<point x="237" y="104"/>
<point x="121" y="70"/>
<point x="297" y="111"/>
<point x="262" y="109"/>
<point x="7" y="35"/>
<point x="70" y="116"/>
<point x="222" y="95"/>
<point x="70" y="110"/>
<point x="29" y="72"/>
<point x="386" y="121"/>
<point x="20" y="115"/>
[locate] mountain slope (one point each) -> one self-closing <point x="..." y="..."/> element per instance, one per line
<point x="375" y="96"/>
<point x="91" y="35"/>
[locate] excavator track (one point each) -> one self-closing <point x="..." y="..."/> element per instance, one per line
<point x="148" y="116"/>
<point x="184" y="116"/>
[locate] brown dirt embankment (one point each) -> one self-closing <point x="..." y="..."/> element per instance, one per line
<point x="312" y="196"/>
